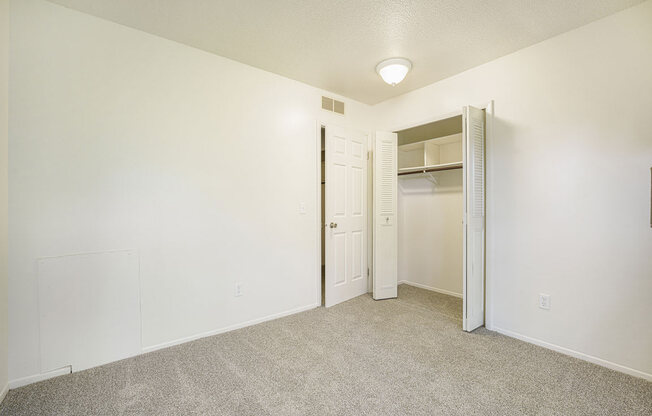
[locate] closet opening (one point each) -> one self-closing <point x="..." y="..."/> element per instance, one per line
<point x="430" y="208"/>
<point x="429" y="212"/>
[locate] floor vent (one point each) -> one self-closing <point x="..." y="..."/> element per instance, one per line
<point x="330" y="104"/>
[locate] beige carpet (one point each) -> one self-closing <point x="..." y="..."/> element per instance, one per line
<point x="397" y="357"/>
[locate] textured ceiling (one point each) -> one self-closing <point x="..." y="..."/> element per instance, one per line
<point x="336" y="44"/>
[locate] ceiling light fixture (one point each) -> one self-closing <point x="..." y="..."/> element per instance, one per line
<point x="393" y="70"/>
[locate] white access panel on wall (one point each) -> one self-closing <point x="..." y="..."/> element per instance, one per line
<point x="473" y="137"/>
<point x="89" y="309"/>
<point x="385" y="251"/>
<point x="346" y="214"/>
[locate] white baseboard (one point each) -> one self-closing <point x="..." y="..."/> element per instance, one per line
<point x="433" y="289"/>
<point x="575" y="354"/>
<point x="229" y="328"/>
<point x="20" y="382"/>
<point x="14" y="384"/>
<point x="4" y="392"/>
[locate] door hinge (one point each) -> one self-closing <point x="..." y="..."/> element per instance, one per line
<point x="368" y="152"/>
<point x="367" y="271"/>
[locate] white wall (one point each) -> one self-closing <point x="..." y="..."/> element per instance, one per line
<point x="430" y="231"/>
<point x="4" y="131"/>
<point x="568" y="185"/>
<point x="123" y="140"/>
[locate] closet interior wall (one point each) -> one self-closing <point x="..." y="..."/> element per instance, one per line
<point x="430" y="207"/>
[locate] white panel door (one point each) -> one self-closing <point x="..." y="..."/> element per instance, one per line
<point x="385" y="251"/>
<point x="346" y="214"/>
<point x="474" y="214"/>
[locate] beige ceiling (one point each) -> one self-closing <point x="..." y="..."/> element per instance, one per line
<point x="336" y="44"/>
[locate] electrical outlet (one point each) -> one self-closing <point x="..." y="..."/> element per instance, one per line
<point x="238" y="289"/>
<point x="302" y="208"/>
<point x="544" y="301"/>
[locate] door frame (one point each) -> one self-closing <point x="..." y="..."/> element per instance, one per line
<point x="488" y="107"/>
<point x="319" y="125"/>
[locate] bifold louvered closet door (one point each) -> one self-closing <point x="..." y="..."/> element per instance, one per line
<point x="385" y="224"/>
<point x="474" y="215"/>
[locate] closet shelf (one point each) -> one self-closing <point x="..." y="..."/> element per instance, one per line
<point x="430" y="168"/>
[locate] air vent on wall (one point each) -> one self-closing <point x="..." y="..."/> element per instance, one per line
<point x="332" y="105"/>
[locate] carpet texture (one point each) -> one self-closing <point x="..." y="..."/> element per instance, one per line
<point x="406" y="356"/>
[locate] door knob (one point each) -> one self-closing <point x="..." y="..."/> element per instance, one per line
<point x="333" y="225"/>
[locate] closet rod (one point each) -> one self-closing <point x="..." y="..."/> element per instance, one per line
<point x="436" y="169"/>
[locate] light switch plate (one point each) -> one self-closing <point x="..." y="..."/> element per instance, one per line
<point x="544" y="301"/>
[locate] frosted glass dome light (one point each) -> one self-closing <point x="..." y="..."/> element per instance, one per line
<point x="393" y="70"/>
